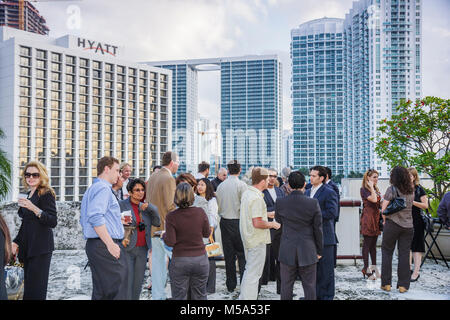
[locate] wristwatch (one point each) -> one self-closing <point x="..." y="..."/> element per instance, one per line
<point x="39" y="214"/>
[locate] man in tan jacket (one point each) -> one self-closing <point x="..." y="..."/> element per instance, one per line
<point x="161" y="192"/>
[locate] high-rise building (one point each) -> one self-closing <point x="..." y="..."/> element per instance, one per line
<point x="69" y="101"/>
<point x="251" y="108"/>
<point x="287" y="158"/>
<point x="317" y="94"/>
<point x="32" y="20"/>
<point x="382" y="66"/>
<point x="353" y="72"/>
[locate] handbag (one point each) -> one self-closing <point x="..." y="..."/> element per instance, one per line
<point x="380" y="222"/>
<point x="427" y="221"/>
<point x="213" y="249"/>
<point x="396" y="204"/>
<point x="14" y="280"/>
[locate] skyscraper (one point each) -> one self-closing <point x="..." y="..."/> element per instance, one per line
<point x="349" y="75"/>
<point x="67" y="107"/>
<point x="251" y="108"/>
<point x="318" y="94"/>
<point x="382" y="66"/>
<point x="32" y="20"/>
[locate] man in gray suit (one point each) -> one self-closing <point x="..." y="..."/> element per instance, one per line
<point x="301" y="239"/>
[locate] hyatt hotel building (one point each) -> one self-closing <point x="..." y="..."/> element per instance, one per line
<point x="69" y="101"/>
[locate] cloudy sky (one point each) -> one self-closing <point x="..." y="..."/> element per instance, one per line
<point x="192" y="29"/>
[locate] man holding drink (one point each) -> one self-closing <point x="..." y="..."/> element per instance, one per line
<point x="103" y="228"/>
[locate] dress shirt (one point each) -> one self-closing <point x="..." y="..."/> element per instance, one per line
<point x="273" y="194"/>
<point x="314" y="190"/>
<point x="124" y="188"/>
<point x="100" y="207"/>
<point x="229" y="194"/>
<point x="253" y="206"/>
<point x="198" y="176"/>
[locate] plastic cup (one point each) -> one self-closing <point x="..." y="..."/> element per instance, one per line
<point x="127" y="216"/>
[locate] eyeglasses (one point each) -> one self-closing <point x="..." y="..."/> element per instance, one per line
<point x="34" y="175"/>
<point x="138" y="190"/>
<point x="273" y="176"/>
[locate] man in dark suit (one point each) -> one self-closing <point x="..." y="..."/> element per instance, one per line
<point x="335" y="188"/>
<point x="301" y="240"/>
<point x="271" y="268"/>
<point x="329" y="206"/>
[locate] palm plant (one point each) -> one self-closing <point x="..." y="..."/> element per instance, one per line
<point x="5" y="171"/>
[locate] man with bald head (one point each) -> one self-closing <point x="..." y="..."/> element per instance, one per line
<point x="221" y="176"/>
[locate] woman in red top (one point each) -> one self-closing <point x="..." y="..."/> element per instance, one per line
<point x="137" y="245"/>
<point x="370" y="227"/>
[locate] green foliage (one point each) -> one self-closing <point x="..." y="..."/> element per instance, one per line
<point x="433" y="206"/>
<point x="353" y="174"/>
<point x="305" y="171"/>
<point x="5" y="172"/>
<point x="418" y="135"/>
<point x="337" y="178"/>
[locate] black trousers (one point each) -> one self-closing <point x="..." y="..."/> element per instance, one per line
<point x="232" y="249"/>
<point x="325" y="287"/>
<point x="36" y="271"/>
<point x="394" y="234"/>
<point x="271" y="270"/>
<point x="109" y="275"/>
<point x="307" y="275"/>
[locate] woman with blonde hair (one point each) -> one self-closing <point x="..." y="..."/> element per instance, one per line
<point x="370" y="218"/>
<point x="418" y="242"/>
<point x="34" y="243"/>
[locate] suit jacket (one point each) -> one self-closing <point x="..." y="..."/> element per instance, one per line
<point x="160" y="191"/>
<point x="334" y="186"/>
<point x="271" y="207"/>
<point x="150" y="218"/>
<point x="328" y="205"/>
<point x="301" y="219"/>
<point x="35" y="235"/>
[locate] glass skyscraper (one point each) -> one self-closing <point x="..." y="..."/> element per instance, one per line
<point x="318" y="94"/>
<point x="382" y="66"/>
<point x="251" y="109"/>
<point x="353" y="72"/>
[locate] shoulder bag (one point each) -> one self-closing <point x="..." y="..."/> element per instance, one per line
<point x="396" y="204"/>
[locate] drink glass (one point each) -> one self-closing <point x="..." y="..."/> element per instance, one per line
<point x="127" y="216"/>
<point x="22" y="196"/>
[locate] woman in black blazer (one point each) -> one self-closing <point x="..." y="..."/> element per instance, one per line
<point x="34" y="242"/>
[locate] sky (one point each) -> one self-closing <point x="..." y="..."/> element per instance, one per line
<point x="152" y="30"/>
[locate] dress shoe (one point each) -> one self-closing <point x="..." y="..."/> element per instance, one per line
<point x="368" y="273"/>
<point x="402" y="289"/>
<point x="386" y="287"/>
<point x="414" y="280"/>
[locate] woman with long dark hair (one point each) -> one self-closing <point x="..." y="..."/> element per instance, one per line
<point x="34" y="243"/>
<point x="5" y="255"/>
<point x="398" y="229"/>
<point x="205" y="189"/>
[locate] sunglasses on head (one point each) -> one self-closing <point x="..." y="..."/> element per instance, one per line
<point x="34" y="175"/>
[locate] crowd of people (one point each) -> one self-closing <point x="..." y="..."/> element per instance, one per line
<point x="276" y="229"/>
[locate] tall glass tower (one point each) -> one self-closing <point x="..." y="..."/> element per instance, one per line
<point x="382" y="66"/>
<point x="318" y="94"/>
<point x="348" y="75"/>
<point x="251" y="108"/>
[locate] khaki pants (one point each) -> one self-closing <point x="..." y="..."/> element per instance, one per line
<point x="254" y="266"/>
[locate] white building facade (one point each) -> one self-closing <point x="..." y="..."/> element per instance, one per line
<point x="69" y="101"/>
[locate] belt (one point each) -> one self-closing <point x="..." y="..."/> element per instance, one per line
<point x="115" y="240"/>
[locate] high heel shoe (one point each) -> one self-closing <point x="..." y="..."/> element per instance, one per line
<point x="377" y="272"/>
<point x="368" y="274"/>
<point x="414" y="280"/>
